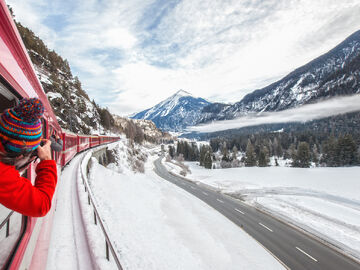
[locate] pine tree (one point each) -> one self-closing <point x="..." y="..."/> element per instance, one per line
<point x="202" y="154"/>
<point x="264" y="157"/>
<point x="293" y="154"/>
<point x="250" y="159"/>
<point x="303" y="155"/>
<point x="171" y="151"/>
<point x="225" y="153"/>
<point x="346" y="151"/>
<point x="234" y="153"/>
<point x="330" y="152"/>
<point x="278" y="151"/>
<point x="315" y="155"/>
<point x="208" y="160"/>
<point x="180" y="148"/>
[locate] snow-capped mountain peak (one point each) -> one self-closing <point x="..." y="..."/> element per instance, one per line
<point x="176" y="112"/>
<point x="182" y="93"/>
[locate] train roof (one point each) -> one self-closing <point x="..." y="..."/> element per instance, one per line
<point x="16" y="67"/>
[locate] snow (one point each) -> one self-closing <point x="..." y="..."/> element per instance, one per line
<point x="323" y="201"/>
<point x="153" y="224"/>
<point x="52" y="95"/>
<point x="68" y="243"/>
<point x="156" y="225"/>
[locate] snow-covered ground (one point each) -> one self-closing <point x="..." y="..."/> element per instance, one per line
<point x="69" y="247"/>
<point x="323" y="201"/>
<point x="156" y="225"/>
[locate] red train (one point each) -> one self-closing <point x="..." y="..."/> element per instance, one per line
<point x="20" y="243"/>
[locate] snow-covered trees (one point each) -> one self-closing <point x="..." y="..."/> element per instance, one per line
<point x="324" y="150"/>
<point x="189" y="151"/>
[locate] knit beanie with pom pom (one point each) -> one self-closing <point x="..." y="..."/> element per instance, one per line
<point x="20" y="127"/>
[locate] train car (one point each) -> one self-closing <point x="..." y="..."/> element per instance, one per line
<point x="18" y="234"/>
<point x="94" y="140"/>
<point x="108" y="139"/>
<point x="20" y="245"/>
<point x="83" y="143"/>
<point x="70" y="147"/>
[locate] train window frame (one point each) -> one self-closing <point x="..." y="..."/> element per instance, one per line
<point x="7" y="97"/>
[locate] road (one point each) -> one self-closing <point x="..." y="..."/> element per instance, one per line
<point x="293" y="248"/>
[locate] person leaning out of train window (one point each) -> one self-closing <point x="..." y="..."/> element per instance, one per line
<point x="56" y="143"/>
<point x="21" y="143"/>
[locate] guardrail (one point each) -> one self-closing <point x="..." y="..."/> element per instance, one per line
<point x="97" y="219"/>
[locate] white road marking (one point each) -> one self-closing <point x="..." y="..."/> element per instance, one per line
<point x="266" y="227"/>
<point x="241" y="212"/>
<point x="205" y="193"/>
<point x="306" y="254"/>
<point x="220" y="201"/>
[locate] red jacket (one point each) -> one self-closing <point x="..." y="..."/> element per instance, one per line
<point x="18" y="193"/>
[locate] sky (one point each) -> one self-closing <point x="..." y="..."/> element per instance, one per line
<point x="130" y="55"/>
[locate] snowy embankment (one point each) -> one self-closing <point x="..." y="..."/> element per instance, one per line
<point x="322" y="201"/>
<point x="156" y="225"/>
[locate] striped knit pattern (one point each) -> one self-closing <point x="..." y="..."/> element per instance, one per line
<point x="20" y="127"/>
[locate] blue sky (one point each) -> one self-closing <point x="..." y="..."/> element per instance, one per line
<point x="130" y="55"/>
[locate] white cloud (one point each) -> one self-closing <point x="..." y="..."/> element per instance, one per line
<point x="334" y="106"/>
<point x="214" y="49"/>
<point x="29" y="13"/>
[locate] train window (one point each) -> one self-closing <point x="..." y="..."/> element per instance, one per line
<point x="44" y="126"/>
<point x="10" y="229"/>
<point x="7" y="99"/>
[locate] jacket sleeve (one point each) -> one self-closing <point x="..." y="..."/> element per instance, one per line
<point x="18" y="193"/>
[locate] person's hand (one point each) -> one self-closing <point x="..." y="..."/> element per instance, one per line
<point x="44" y="152"/>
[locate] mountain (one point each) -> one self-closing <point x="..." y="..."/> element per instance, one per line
<point x="332" y="74"/>
<point x="147" y="129"/>
<point x="176" y="112"/>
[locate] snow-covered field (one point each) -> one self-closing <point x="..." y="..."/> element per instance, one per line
<point x="323" y="201"/>
<point x="156" y="225"/>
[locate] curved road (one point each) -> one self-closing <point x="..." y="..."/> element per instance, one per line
<point x="293" y="248"/>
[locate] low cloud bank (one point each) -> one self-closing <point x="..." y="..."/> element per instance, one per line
<point x="334" y="106"/>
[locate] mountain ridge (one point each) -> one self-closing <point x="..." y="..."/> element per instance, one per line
<point x="334" y="73"/>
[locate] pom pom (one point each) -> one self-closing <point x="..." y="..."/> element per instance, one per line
<point x="30" y="110"/>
